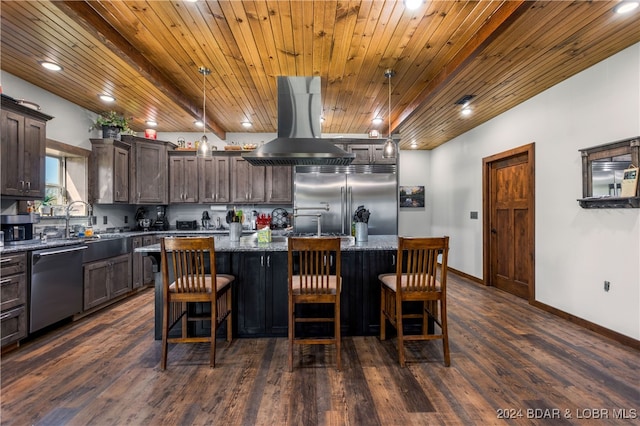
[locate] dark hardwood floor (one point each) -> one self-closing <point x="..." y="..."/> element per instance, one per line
<point x="508" y="359"/>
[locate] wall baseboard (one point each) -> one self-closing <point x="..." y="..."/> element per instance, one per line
<point x="614" y="335"/>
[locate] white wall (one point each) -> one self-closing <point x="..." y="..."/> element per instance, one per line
<point x="413" y="169"/>
<point x="70" y="123"/>
<point x="576" y="249"/>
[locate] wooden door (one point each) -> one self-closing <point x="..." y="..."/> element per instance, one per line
<point x="509" y="221"/>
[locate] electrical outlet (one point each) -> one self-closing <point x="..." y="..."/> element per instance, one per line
<point x="104" y="220"/>
<point x="607" y="285"/>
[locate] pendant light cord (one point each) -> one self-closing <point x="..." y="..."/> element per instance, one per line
<point x="389" y="76"/>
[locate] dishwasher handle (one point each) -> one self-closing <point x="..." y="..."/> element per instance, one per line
<point x="51" y="253"/>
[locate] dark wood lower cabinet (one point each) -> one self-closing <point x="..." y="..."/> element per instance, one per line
<point x="106" y="279"/>
<point x="260" y="294"/>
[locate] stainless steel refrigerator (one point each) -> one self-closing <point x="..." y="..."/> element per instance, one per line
<point x="333" y="193"/>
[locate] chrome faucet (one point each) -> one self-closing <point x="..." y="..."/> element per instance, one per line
<point x="67" y="231"/>
<point x="318" y="215"/>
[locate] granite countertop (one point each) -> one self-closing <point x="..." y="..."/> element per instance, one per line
<point x="279" y="243"/>
<point x="248" y="241"/>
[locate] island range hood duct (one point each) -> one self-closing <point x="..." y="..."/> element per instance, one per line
<point x="299" y="141"/>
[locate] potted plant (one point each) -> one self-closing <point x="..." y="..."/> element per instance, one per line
<point x="112" y="124"/>
<point x="45" y="207"/>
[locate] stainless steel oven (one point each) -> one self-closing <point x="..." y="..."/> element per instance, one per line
<point x="56" y="285"/>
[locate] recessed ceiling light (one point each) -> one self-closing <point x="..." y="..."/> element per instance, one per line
<point x="246" y="124"/>
<point x="106" y="98"/>
<point x="414" y="145"/>
<point x="152" y="123"/>
<point x="412" y="4"/>
<point x="377" y="121"/>
<point x="51" y="66"/>
<point x="466" y="111"/>
<point x="626" y="6"/>
<point x="198" y="123"/>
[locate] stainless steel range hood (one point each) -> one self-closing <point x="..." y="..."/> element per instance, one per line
<point x="299" y="141"/>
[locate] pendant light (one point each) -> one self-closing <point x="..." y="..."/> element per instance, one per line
<point x="204" y="149"/>
<point x="389" y="150"/>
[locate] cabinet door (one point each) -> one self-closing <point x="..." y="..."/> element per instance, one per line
<point x="23" y="155"/>
<point x="249" y="270"/>
<point x="214" y="179"/>
<point x="12" y="143"/>
<point x="35" y="140"/>
<point x="108" y="172"/>
<point x="150" y="174"/>
<point x="121" y="175"/>
<point x="183" y="179"/>
<point x="374" y="264"/>
<point x="247" y="181"/>
<point x="277" y="288"/>
<point x="137" y="260"/>
<point x="96" y="283"/>
<point x="362" y="152"/>
<point x="279" y="184"/>
<point x="147" y="263"/>
<point x="120" y="275"/>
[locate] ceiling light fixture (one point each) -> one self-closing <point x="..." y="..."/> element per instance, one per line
<point x="204" y="148"/>
<point x="377" y="121"/>
<point x="246" y="124"/>
<point x="626" y="6"/>
<point x="412" y="4"/>
<point x="152" y="123"/>
<point x="389" y="150"/>
<point x="51" y="66"/>
<point x="414" y="145"/>
<point x="466" y="111"/>
<point x="106" y="98"/>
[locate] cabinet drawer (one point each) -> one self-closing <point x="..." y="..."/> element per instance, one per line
<point x="13" y="291"/>
<point x="13" y="264"/>
<point x="13" y="325"/>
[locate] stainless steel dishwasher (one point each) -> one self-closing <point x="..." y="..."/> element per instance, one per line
<point x="56" y="285"/>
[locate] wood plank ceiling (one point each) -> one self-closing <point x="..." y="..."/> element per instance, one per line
<point x="147" y="54"/>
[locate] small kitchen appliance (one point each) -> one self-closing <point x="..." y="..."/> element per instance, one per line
<point x="186" y="225"/>
<point x="18" y="228"/>
<point x="161" y="223"/>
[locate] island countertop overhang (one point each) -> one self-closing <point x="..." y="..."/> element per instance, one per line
<point x="249" y="243"/>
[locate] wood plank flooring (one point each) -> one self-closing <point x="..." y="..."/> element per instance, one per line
<point x="507" y="359"/>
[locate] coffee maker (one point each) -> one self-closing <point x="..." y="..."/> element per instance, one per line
<point x="161" y="223"/>
<point x="18" y="228"/>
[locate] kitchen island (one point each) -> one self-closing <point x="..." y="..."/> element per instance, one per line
<point x="260" y="287"/>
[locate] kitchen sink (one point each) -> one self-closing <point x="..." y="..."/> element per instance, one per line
<point x="103" y="248"/>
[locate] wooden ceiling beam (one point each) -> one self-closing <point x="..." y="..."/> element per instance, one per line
<point x="508" y="12"/>
<point x="82" y="13"/>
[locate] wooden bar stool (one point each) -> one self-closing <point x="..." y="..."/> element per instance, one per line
<point x="314" y="278"/>
<point x="415" y="280"/>
<point x="192" y="284"/>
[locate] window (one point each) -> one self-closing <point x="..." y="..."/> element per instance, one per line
<point x="54" y="180"/>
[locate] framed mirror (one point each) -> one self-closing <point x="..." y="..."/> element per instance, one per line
<point x="603" y="169"/>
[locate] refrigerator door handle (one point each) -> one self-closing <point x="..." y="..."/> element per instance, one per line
<point x="342" y="206"/>
<point x="347" y="216"/>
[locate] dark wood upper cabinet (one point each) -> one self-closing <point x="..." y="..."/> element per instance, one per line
<point x="23" y="139"/>
<point x="109" y="171"/>
<point x="149" y="182"/>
